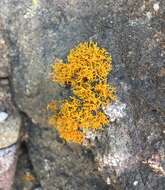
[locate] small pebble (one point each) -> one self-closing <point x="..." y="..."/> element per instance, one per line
<point x="108" y="181"/>
<point x="4" y="73"/>
<point x="4" y="82"/>
<point x="135" y="183"/>
<point x="38" y="188"/>
<point x="149" y="15"/>
<point x="156" y="7"/>
<point x="2" y="41"/>
<point x="3" y="116"/>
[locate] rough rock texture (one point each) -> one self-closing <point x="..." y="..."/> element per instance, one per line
<point x="25" y="178"/>
<point x="10" y="120"/>
<point x="128" y="155"/>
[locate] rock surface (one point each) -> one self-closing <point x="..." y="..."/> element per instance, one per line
<point x="9" y="131"/>
<point x="10" y="120"/>
<point x="128" y="155"/>
<point x="25" y="178"/>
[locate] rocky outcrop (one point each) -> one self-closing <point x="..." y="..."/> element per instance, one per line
<point x="130" y="153"/>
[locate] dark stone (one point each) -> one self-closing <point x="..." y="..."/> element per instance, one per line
<point x="133" y="32"/>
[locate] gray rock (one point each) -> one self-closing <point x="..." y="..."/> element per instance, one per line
<point x="10" y="121"/>
<point x="25" y="178"/>
<point x="132" y="148"/>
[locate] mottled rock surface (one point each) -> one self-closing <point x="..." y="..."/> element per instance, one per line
<point x="10" y="120"/>
<point x="128" y="155"/>
<point x="25" y="178"/>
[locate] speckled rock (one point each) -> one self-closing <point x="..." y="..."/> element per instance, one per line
<point x="7" y="166"/>
<point x="130" y="153"/>
<point x="25" y="178"/>
<point x="9" y="131"/>
<point x="10" y="121"/>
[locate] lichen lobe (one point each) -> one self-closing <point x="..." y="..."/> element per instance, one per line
<point x="85" y="73"/>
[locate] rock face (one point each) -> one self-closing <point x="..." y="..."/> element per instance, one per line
<point x="10" y="120"/>
<point x="130" y="154"/>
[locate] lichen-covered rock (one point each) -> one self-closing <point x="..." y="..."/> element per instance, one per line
<point x="130" y="153"/>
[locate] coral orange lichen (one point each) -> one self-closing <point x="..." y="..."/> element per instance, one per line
<point x="86" y="73"/>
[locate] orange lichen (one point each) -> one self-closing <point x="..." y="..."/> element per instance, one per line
<point x="52" y="106"/>
<point x="86" y="74"/>
<point x="28" y="177"/>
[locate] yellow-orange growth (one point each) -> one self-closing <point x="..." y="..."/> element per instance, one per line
<point x="86" y="73"/>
